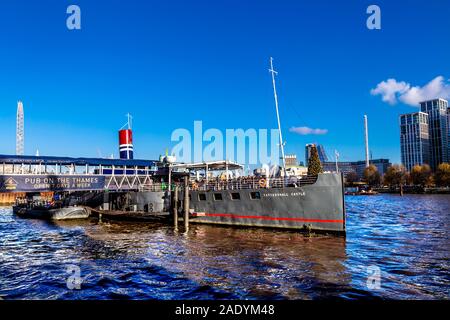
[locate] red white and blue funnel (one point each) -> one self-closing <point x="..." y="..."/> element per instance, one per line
<point x="126" y="141"/>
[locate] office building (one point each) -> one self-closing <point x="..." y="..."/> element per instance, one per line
<point x="437" y="110"/>
<point x="448" y="136"/>
<point x="414" y="139"/>
<point x="357" y="167"/>
<point x="291" y="160"/>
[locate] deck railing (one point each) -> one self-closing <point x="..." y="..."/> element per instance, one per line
<point x="251" y="183"/>
<point x="232" y="184"/>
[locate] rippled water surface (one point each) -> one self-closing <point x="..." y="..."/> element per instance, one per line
<point x="405" y="237"/>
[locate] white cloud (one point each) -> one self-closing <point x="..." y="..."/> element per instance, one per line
<point x="389" y="90"/>
<point x="306" y="131"/>
<point x="392" y="91"/>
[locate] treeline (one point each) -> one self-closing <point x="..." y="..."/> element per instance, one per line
<point x="397" y="175"/>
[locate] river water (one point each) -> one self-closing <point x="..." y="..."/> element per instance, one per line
<point x="396" y="248"/>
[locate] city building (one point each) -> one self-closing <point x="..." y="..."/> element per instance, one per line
<point x="345" y="167"/>
<point x="414" y="139"/>
<point x="322" y="154"/>
<point x="356" y="166"/>
<point x="293" y="168"/>
<point x="320" y="150"/>
<point x="291" y="160"/>
<point x="448" y="128"/>
<point x="437" y="130"/>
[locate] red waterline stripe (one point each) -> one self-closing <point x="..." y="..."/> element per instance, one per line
<point x="271" y="218"/>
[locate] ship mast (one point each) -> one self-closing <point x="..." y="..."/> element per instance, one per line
<point x="273" y="72"/>
<point x="128" y="125"/>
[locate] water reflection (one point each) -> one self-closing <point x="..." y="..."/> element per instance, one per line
<point x="407" y="238"/>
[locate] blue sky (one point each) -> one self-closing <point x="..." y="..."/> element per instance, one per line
<point x="172" y="62"/>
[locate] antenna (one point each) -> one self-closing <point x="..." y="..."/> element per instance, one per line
<point x="20" y="132"/>
<point x="366" y="136"/>
<point x="273" y="72"/>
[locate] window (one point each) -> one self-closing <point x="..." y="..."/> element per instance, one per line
<point x="202" y="196"/>
<point x="236" y="196"/>
<point x="217" y="196"/>
<point x="255" y="195"/>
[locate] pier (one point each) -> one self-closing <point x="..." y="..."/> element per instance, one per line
<point x="26" y="174"/>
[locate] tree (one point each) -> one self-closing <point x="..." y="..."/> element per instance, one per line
<point x="314" y="165"/>
<point x="351" y="177"/>
<point x="421" y="175"/>
<point x="442" y="176"/>
<point x="372" y="176"/>
<point x="395" y="175"/>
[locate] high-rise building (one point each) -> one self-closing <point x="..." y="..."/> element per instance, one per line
<point x="357" y="167"/>
<point x="438" y="130"/>
<point x="448" y="129"/>
<point x="291" y="160"/>
<point x="308" y="148"/>
<point x="414" y="139"/>
<point x="320" y="150"/>
<point x="20" y="132"/>
<point x="322" y="154"/>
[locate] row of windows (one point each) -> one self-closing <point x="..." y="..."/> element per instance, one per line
<point x="429" y="105"/>
<point x="233" y="196"/>
<point x="414" y="118"/>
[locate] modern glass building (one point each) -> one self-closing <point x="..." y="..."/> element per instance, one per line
<point x="437" y="111"/>
<point x="448" y="129"/>
<point x="357" y="167"/>
<point x="414" y="139"/>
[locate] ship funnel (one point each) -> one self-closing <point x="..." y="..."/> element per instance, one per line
<point x="126" y="140"/>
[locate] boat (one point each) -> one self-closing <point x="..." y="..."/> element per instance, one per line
<point x="35" y="207"/>
<point x="274" y="200"/>
<point x="49" y="213"/>
<point x="310" y="203"/>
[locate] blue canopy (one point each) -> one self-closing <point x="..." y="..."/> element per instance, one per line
<point x="47" y="160"/>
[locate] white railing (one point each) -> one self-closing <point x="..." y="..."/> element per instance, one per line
<point x="154" y="187"/>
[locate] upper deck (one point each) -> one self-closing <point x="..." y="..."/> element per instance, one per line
<point x="45" y="173"/>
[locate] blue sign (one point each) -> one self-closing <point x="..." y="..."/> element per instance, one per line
<point x="43" y="183"/>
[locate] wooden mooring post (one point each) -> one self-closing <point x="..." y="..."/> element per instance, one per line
<point x="175" y="207"/>
<point x="186" y="203"/>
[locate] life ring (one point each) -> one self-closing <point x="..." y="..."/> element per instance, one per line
<point x="262" y="183"/>
<point x="194" y="186"/>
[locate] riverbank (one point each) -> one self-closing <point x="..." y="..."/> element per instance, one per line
<point x="413" y="190"/>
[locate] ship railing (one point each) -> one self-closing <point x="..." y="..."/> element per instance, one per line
<point x="154" y="187"/>
<point x="251" y="183"/>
